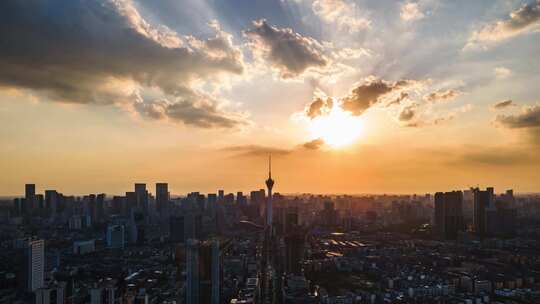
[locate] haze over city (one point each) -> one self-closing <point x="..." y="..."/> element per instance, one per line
<point x="347" y="96"/>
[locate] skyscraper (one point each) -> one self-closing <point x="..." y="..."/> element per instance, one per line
<point x="30" y="197"/>
<point x="294" y="252"/>
<point x="269" y="185"/>
<point x="141" y="196"/>
<point x="482" y="201"/>
<point x="162" y="197"/>
<point x="51" y="202"/>
<point x="203" y="265"/>
<point x="448" y="214"/>
<point x="115" y="236"/>
<point x="33" y="269"/>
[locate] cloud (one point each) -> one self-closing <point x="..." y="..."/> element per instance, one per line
<point x="341" y="13"/>
<point x="402" y="96"/>
<point x="442" y="95"/>
<point x="529" y="118"/>
<point x="504" y="104"/>
<point x="407" y="113"/>
<point x="201" y="111"/>
<point x="370" y="92"/>
<point x="502" y="72"/>
<point x="496" y="156"/>
<point x="413" y="117"/>
<point x="289" y="52"/>
<point x="319" y="106"/>
<point x="103" y="52"/>
<point x="410" y="11"/>
<point x="521" y="21"/>
<point x="256" y="150"/>
<point x="314" y="144"/>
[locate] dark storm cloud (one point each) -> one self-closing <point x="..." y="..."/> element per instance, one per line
<point x="442" y="95"/>
<point x="504" y="104"/>
<point x="369" y="93"/>
<point x="104" y="52"/>
<point x="289" y="52"/>
<point x="522" y="20"/>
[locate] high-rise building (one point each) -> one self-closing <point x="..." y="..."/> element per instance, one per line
<point x="221" y="196"/>
<point x="192" y="226"/>
<point x="115" y="236"/>
<point x="483" y="200"/>
<point x="176" y="224"/>
<point x="51" y="202"/>
<point x="131" y="202"/>
<point x="30" y="197"/>
<point x="33" y="269"/>
<point x="294" y="252"/>
<point x="204" y="273"/>
<point x="141" y="196"/>
<point x="162" y="197"/>
<point x="52" y="294"/>
<point x="449" y="214"/>
<point x="99" y="210"/>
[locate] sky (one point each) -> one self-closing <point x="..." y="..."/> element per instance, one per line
<point x="348" y="96"/>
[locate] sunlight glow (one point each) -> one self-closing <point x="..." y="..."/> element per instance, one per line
<point x="338" y="128"/>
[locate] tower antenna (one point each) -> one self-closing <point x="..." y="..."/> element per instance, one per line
<point x="270" y="166"/>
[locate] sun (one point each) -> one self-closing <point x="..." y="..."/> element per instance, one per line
<point x="338" y="128"/>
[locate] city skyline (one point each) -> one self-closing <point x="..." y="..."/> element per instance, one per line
<point x="348" y="96"/>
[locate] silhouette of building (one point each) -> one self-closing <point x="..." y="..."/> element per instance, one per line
<point x="269" y="186"/>
<point x="29" y="197"/>
<point x="176" y="224"/>
<point x="449" y="214"/>
<point x="141" y="195"/>
<point x="162" y="197"/>
<point x="32" y="271"/>
<point x="204" y="273"/>
<point x="294" y="252"/>
<point x="483" y="200"/>
<point x="115" y="236"/>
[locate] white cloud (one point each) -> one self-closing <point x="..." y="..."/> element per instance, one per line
<point x="523" y="20"/>
<point x="502" y="72"/>
<point x="410" y="11"/>
<point x="341" y="13"/>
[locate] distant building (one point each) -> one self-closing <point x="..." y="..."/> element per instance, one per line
<point x="51" y="202"/>
<point x="29" y="197"/>
<point x="84" y="247"/>
<point x="52" y="294"/>
<point x="483" y="200"/>
<point x="449" y="214"/>
<point x="294" y="252"/>
<point x="162" y="197"/>
<point x="141" y="195"/>
<point x="176" y="226"/>
<point x="115" y="236"/>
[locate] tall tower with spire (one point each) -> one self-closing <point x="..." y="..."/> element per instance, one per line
<point x="269" y="185"/>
